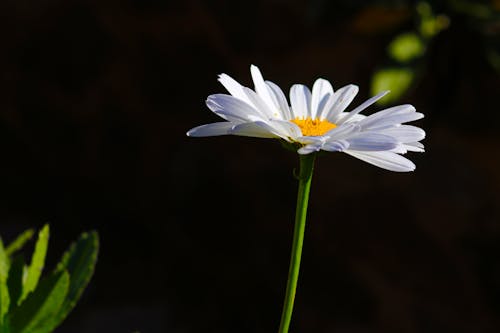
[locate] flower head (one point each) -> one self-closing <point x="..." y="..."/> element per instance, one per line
<point x="316" y="120"/>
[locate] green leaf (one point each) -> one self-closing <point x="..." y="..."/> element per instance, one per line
<point x="79" y="261"/>
<point x="34" y="270"/>
<point x="41" y="305"/>
<point x="4" y="263"/>
<point x="15" y="279"/>
<point x="431" y="24"/>
<point x="397" y="80"/>
<point x="406" y="47"/>
<point x="19" y="242"/>
<point x="4" y="303"/>
<point x="4" y="292"/>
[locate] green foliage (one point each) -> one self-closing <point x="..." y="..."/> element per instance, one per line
<point x="34" y="270"/>
<point x="40" y="305"/>
<point x="406" y="47"/>
<point x="15" y="279"/>
<point x="4" y="262"/>
<point x="4" y="292"/>
<point x="79" y="261"/>
<point x="29" y="304"/>
<point x="430" y="24"/>
<point x="19" y="242"/>
<point x="397" y="80"/>
<point x="473" y="8"/>
<point x="406" y="53"/>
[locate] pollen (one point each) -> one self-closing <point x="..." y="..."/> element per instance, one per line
<point x="313" y="127"/>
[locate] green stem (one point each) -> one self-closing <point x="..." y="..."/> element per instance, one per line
<point x="305" y="176"/>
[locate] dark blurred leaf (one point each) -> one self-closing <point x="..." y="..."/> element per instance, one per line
<point x="475" y="9"/>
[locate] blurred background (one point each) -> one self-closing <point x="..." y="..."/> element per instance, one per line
<point x="95" y="100"/>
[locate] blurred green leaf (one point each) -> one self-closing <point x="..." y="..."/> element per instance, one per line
<point x="4" y="292"/>
<point x="430" y="24"/>
<point x="431" y="27"/>
<point x="19" y="242"/>
<point x="34" y="270"/>
<point x="397" y="80"/>
<point x="494" y="58"/>
<point x="406" y="47"/>
<point x="472" y="8"/>
<point x="41" y="305"/>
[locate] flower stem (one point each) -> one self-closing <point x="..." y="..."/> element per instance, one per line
<point x="305" y="176"/>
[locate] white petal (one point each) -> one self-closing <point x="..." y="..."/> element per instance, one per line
<point x="352" y="120"/>
<point x="392" y="116"/>
<point x="214" y="129"/>
<point x="311" y="140"/>
<point x="231" y="108"/>
<point x="405" y="133"/>
<point x="414" y="146"/>
<point x="339" y="102"/>
<point x="300" y="98"/>
<point x="395" y="119"/>
<point x="256" y="129"/>
<point x="321" y="92"/>
<point x="287" y="129"/>
<point x="385" y="160"/>
<point x="281" y="99"/>
<point x="369" y="141"/>
<point x="312" y="143"/>
<point x="400" y="149"/>
<point x="258" y="103"/>
<point x="363" y="106"/>
<point x="262" y="89"/>
<point x="309" y="149"/>
<point x="233" y="87"/>
<point x="337" y="145"/>
<point x="342" y="131"/>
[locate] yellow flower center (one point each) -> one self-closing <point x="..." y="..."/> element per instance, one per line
<point x="313" y="127"/>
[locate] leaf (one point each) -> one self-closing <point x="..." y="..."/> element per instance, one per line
<point x="4" y="292"/>
<point x="406" y="47"/>
<point x="79" y="261"/>
<point x="4" y="304"/>
<point x="15" y="280"/>
<point x="41" y="305"/>
<point x="34" y="270"/>
<point x="397" y="80"/>
<point x="4" y="263"/>
<point x="19" y="242"/>
<point x="431" y="24"/>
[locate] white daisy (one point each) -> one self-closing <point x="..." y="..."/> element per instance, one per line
<point x="316" y="120"/>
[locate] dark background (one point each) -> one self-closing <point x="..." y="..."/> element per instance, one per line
<point x="95" y="100"/>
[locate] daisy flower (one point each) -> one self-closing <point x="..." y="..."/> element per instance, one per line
<point x="316" y="120"/>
